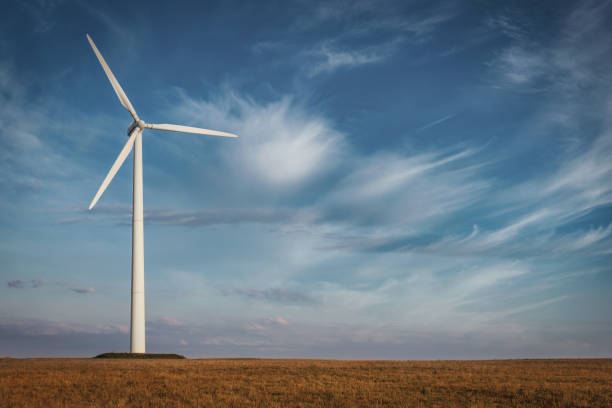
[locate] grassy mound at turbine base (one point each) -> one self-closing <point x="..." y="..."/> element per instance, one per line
<point x="139" y="355"/>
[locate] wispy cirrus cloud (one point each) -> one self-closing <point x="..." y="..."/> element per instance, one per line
<point x="519" y="66"/>
<point x="590" y="237"/>
<point x="435" y="122"/>
<point x="21" y="122"/>
<point x="112" y="22"/>
<point x="341" y="52"/>
<point x="37" y="283"/>
<point x="275" y="295"/>
<point x="349" y="26"/>
<point x="83" y="290"/>
<point x="37" y="145"/>
<point x="328" y="57"/>
<point x="229" y="216"/>
<point x="44" y="13"/>
<point x="37" y="327"/>
<point x="121" y="214"/>
<point x="366" y="16"/>
<point x="171" y="321"/>
<point x="569" y="68"/>
<point x="571" y="64"/>
<point x="505" y="24"/>
<point x="511" y="231"/>
<point x="586" y="176"/>
<point x="20" y="284"/>
<point x="415" y="190"/>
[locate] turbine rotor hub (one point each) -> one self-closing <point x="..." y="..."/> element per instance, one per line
<point x="140" y="124"/>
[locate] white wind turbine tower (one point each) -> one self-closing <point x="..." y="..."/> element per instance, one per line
<point x="137" y="324"/>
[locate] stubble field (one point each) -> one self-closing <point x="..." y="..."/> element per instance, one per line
<point x="304" y="383"/>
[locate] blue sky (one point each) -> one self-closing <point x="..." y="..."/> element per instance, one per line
<point x="413" y="180"/>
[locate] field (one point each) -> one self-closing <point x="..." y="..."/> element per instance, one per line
<point x="304" y="383"/>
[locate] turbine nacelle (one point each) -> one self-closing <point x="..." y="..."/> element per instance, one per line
<point x="133" y="126"/>
<point x="136" y="124"/>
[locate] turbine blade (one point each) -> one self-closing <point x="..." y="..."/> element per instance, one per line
<point x="118" y="162"/>
<point x="188" y="129"/>
<point x="114" y="83"/>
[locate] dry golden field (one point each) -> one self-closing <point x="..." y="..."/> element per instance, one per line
<point x="304" y="383"/>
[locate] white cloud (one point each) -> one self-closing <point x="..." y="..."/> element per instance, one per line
<point x="281" y="321"/>
<point x="435" y="123"/>
<point x="511" y="231"/>
<point x="591" y="237"/>
<point x="328" y="58"/>
<point x="339" y="51"/>
<point x="569" y="65"/>
<point x="346" y="24"/>
<point x="426" y="292"/>
<point x="408" y="191"/>
<point x="35" y="327"/>
<point x="171" y="321"/>
<point x="520" y="66"/>
<point x="124" y="37"/>
<point x="386" y="173"/>
<point x="589" y="174"/>
<point x="489" y="276"/>
<point x="43" y="11"/>
<point x="357" y="17"/>
<point x="579" y="185"/>
<point x="40" y="149"/>
<point x="507" y="26"/>
<point x="280" y="143"/>
<point x="79" y="289"/>
<point x="18" y="124"/>
<point x="425" y="25"/>
<point x="572" y="68"/>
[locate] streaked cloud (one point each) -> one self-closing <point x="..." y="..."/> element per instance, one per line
<point x="591" y="237"/>
<point x="37" y="327"/>
<point x="20" y="284"/>
<point x="281" y="321"/>
<point x="77" y="289"/>
<point x="171" y="321"/>
<point x="508" y="232"/>
<point x="346" y="24"/>
<point x="573" y="61"/>
<point x="44" y="12"/>
<point x="505" y="24"/>
<point x="520" y="66"/>
<point x="119" y="214"/>
<point x="370" y="16"/>
<point x="276" y="295"/>
<point x="435" y="123"/>
<point x="329" y="58"/>
<point x="411" y="190"/>
<point x="37" y="283"/>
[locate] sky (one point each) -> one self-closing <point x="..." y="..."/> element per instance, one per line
<point x="412" y="180"/>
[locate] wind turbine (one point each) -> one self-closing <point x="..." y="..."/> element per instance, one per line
<point x="137" y="323"/>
